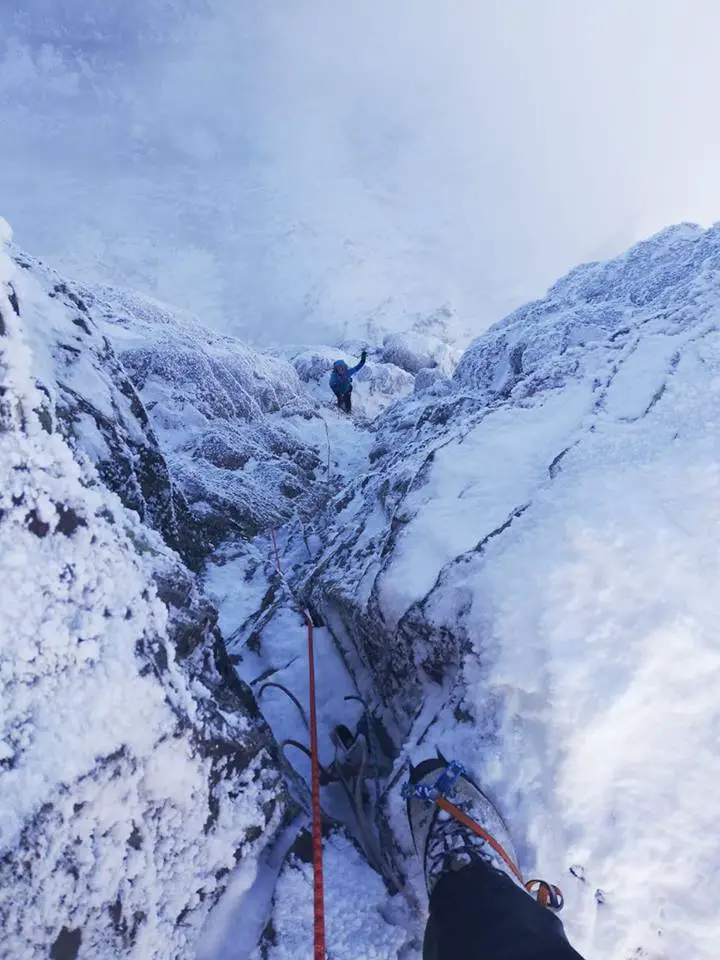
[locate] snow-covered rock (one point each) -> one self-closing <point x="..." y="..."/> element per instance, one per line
<point x="135" y="769"/>
<point x="547" y="343"/>
<point x="231" y="421"/>
<point x="527" y="580"/>
<point x="386" y="379"/>
<point x="431" y="379"/>
<point x="433" y="342"/>
<point x="314" y="364"/>
<point x="413" y="351"/>
<point x="91" y="401"/>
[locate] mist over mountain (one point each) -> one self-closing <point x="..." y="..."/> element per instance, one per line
<point x="291" y="167"/>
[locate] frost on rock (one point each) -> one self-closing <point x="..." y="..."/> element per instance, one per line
<point x="431" y="379"/>
<point x="89" y="399"/>
<point x="315" y="364"/>
<point x="432" y="343"/>
<point x="526" y="579"/>
<point x="229" y="419"/>
<point x="414" y="351"/>
<point x="135" y="771"/>
<point x="548" y="342"/>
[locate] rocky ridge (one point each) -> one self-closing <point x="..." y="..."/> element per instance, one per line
<point x="136" y="769"/>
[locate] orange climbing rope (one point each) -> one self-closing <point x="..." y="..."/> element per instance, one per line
<point x="318" y="886"/>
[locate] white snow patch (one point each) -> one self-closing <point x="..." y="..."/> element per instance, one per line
<point x="356" y="906"/>
<point x="474" y="485"/>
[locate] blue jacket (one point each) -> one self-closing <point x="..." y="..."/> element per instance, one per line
<point x="341" y="377"/>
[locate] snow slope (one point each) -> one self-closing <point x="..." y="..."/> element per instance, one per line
<point x="526" y="579"/>
<point x="135" y="770"/>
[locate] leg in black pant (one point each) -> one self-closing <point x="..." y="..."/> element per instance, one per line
<point x="478" y="913"/>
<point x="345" y="400"/>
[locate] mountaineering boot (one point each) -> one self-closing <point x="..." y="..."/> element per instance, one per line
<point x="443" y="842"/>
<point x="479" y="906"/>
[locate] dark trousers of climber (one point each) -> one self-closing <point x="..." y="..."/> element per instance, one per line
<point x="345" y="400"/>
<point x="478" y="914"/>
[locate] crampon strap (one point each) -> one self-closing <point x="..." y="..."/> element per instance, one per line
<point x="547" y="894"/>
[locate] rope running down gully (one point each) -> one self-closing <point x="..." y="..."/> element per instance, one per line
<point x="318" y="887"/>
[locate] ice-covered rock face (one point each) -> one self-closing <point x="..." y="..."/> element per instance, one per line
<point x="91" y="401"/>
<point x="431" y="344"/>
<point x="549" y="342"/>
<point x="523" y="578"/>
<point x="415" y="352"/>
<point x="135" y="770"/>
<point x="230" y="420"/>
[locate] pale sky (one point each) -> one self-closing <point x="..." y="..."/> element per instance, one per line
<point x="297" y="170"/>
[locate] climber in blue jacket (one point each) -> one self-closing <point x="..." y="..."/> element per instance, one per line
<point x="341" y="381"/>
